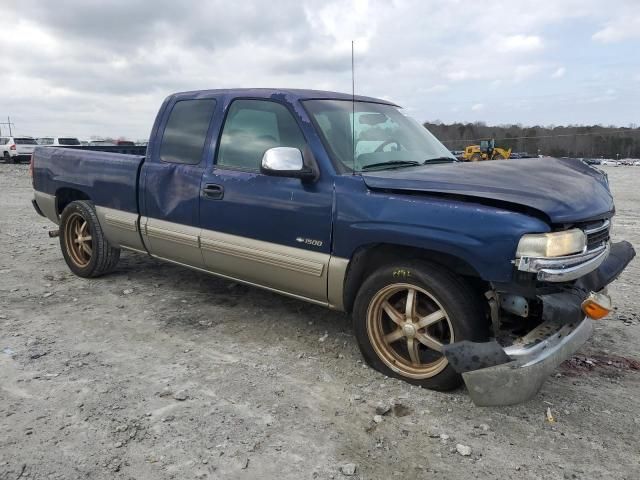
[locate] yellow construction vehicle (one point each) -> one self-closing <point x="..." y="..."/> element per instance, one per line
<point x="485" y="151"/>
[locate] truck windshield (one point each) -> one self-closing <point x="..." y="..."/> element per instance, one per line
<point x="384" y="137"/>
<point x="68" y="141"/>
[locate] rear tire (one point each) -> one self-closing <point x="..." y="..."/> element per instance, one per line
<point x="476" y="157"/>
<point x="6" y="157"/>
<point x="84" y="246"/>
<point x="401" y="337"/>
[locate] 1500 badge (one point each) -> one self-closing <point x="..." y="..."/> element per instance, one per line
<point x="309" y="241"/>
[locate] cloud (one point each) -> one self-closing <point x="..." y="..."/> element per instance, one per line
<point x="520" y="43"/>
<point x="435" y="88"/>
<point x="523" y="72"/>
<point x="477" y="107"/>
<point x="83" y="67"/>
<point x="625" y="26"/>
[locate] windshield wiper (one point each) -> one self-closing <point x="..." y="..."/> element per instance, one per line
<point x="392" y="164"/>
<point x="440" y="160"/>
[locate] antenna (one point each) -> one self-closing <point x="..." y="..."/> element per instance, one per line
<point x="353" y="108"/>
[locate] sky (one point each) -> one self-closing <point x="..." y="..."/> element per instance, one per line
<point x="96" y="68"/>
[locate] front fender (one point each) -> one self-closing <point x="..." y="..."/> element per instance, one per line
<point x="485" y="237"/>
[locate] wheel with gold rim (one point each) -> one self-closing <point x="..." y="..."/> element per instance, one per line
<point x="405" y="313"/>
<point x="83" y="244"/>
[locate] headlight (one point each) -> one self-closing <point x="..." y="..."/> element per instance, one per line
<point x="555" y="244"/>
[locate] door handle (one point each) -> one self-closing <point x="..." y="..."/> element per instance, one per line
<point x="214" y="192"/>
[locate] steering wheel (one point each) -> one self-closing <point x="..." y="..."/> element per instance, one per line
<point x="387" y="142"/>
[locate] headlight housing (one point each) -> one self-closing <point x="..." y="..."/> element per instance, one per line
<point x="554" y="244"/>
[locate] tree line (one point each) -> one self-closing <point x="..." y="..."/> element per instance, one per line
<point x="583" y="141"/>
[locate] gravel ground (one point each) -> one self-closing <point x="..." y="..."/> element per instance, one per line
<point x="159" y="372"/>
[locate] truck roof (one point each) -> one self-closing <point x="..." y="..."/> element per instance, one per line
<point x="293" y="94"/>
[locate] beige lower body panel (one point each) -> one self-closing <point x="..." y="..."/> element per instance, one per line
<point x="120" y="228"/>
<point x="335" y="283"/>
<point x="47" y="204"/>
<point x="295" y="270"/>
<point x="174" y="241"/>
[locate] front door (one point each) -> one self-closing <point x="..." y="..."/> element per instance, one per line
<point x="270" y="231"/>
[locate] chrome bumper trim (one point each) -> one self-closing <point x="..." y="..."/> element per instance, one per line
<point x="521" y="378"/>
<point x="564" y="269"/>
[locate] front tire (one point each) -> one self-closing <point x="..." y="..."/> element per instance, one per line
<point x="406" y="311"/>
<point x="84" y="246"/>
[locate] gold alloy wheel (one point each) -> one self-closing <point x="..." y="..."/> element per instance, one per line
<point x="407" y="328"/>
<point x="78" y="241"/>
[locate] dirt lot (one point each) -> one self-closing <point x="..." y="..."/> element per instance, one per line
<point x="158" y="372"/>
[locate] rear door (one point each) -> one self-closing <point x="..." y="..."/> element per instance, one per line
<point x="171" y="181"/>
<point x="270" y="231"/>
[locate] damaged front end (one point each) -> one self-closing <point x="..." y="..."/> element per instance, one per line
<point x="538" y="326"/>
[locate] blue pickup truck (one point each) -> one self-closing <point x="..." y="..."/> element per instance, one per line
<point x="488" y="273"/>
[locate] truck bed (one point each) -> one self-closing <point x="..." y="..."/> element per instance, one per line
<point x="108" y="179"/>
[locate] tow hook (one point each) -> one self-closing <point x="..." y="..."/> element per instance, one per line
<point x="54" y="233"/>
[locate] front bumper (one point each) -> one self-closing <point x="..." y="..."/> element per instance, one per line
<point x="530" y="364"/>
<point x="564" y="269"/>
<point x="496" y="375"/>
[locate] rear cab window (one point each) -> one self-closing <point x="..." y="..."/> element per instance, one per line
<point x="186" y="131"/>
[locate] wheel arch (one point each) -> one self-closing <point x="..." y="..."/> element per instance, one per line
<point x="66" y="195"/>
<point x="369" y="257"/>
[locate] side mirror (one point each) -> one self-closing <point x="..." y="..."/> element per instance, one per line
<point x="286" y="162"/>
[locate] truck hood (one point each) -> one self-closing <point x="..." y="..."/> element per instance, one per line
<point x="563" y="190"/>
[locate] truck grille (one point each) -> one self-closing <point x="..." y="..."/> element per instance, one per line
<point x="597" y="233"/>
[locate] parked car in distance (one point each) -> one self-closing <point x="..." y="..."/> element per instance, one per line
<point x="627" y="161"/>
<point x="609" y="162"/>
<point x="102" y="143"/>
<point x="15" y="149"/>
<point x="488" y="273"/>
<point x="125" y="143"/>
<point x="592" y="161"/>
<point x="59" y="141"/>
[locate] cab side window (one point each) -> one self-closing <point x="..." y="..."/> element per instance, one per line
<point x="251" y="128"/>
<point x="186" y="130"/>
